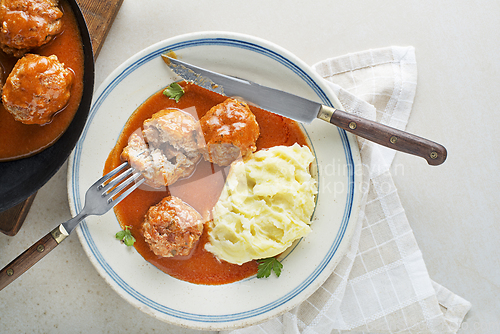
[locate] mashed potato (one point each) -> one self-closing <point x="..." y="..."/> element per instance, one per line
<point x="266" y="204"/>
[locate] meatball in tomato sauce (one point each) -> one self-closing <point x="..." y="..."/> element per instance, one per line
<point x="28" y="24"/>
<point x="230" y="131"/>
<point x="167" y="149"/>
<point x="172" y="227"/>
<point x="37" y="88"/>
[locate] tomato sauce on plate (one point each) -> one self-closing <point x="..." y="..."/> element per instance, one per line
<point x="201" y="190"/>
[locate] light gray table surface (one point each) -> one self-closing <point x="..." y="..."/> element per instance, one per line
<point x="453" y="209"/>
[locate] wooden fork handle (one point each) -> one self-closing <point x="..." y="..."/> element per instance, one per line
<point x="402" y="141"/>
<point x="30" y="256"/>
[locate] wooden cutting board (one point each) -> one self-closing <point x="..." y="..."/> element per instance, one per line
<point x="99" y="15"/>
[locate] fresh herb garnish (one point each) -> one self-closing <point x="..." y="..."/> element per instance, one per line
<point x="126" y="236"/>
<point x="174" y="91"/>
<point x="266" y="266"/>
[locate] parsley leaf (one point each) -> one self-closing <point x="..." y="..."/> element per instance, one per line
<point x="266" y="266"/>
<point x="125" y="236"/>
<point x="174" y="91"/>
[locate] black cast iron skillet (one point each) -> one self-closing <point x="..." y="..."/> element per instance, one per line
<point x="20" y="179"/>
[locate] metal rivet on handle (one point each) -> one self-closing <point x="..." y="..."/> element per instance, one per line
<point x="40" y="248"/>
<point x="10" y="272"/>
<point x="393" y="139"/>
<point x="433" y="155"/>
<point x="352" y="125"/>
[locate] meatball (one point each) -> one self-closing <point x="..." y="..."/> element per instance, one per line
<point x="230" y="131"/>
<point x="175" y="128"/>
<point x="167" y="149"/>
<point x="172" y="227"/>
<point x="28" y="24"/>
<point x="37" y="88"/>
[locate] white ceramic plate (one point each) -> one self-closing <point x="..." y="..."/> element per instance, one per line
<point x="252" y="300"/>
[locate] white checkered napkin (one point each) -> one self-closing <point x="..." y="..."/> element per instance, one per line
<point x="381" y="285"/>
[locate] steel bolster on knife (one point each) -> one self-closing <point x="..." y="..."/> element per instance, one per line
<point x="305" y="111"/>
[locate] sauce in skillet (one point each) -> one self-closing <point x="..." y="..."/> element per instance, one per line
<point x="18" y="140"/>
<point x="201" y="190"/>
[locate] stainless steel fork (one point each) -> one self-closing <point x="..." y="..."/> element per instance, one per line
<point x="100" y="197"/>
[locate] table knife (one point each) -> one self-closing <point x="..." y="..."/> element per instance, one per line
<point x="305" y="111"/>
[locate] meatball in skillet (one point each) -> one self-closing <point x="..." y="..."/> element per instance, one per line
<point x="167" y="148"/>
<point x="172" y="227"/>
<point x="28" y="24"/>
<point x="230" y="131"/>
<point x="36" y="89"/>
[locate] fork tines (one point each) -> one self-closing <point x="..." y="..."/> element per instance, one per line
<point x="120" y="181"/>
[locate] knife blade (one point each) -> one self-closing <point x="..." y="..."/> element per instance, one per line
<point x="305" y="111"/>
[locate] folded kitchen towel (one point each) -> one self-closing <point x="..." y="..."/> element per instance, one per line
<point x="381" y="285"/>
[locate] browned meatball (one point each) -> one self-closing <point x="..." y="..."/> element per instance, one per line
<point x="167" y="148"/>
<point x="27" y="24"/>
<point x="36" y="89"/>
<point x="230" y="131"/>
<point x="172" y="227"/>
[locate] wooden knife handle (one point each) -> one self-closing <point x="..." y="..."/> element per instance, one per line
<point x="434" y="153"/>
<point x="31" y="256"/>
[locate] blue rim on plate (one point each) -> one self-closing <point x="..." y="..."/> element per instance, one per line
<point x="202" y="319"/>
